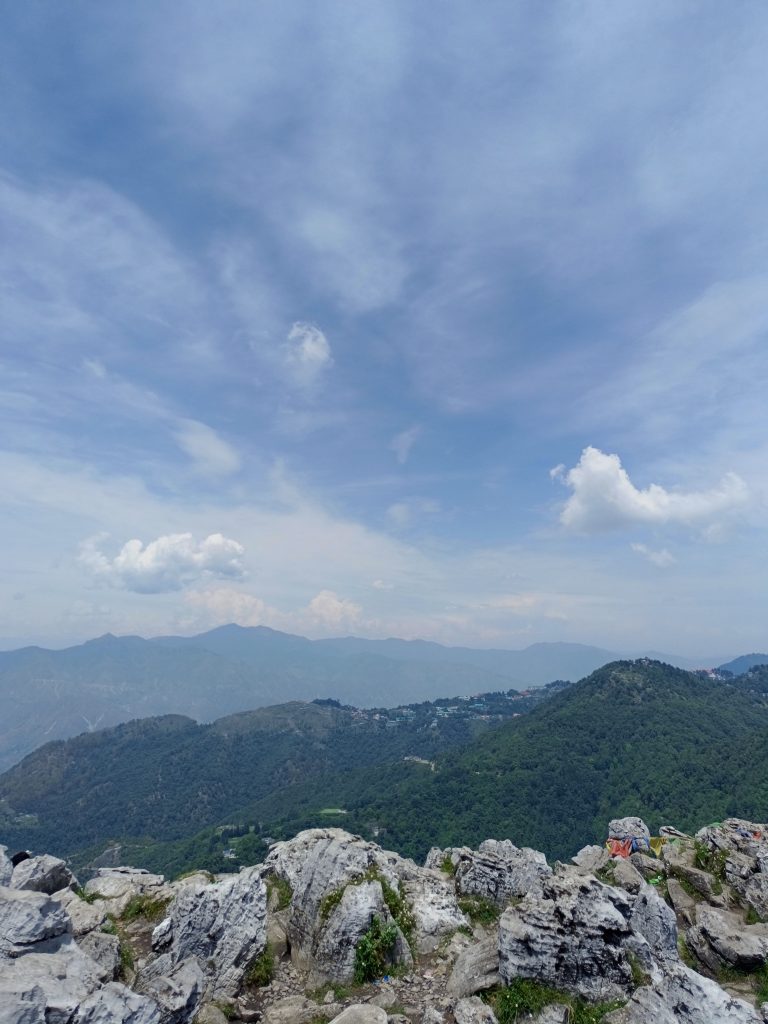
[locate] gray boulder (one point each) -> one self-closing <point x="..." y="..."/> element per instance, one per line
<point x="86" y="917"/>
<point x="498" y="870"/>
<point x="743" y="946"/>
<point x="6" y="866"/>
<point x="104" y="950"/>
<point x="179" y="991"/>
<point x="476" y="968"/>
<point x="320" y="864"/>
<point x="629" y="828"/>
<point x="653" y="919"/>
<point x="681" y="996"/>
<point x="473" y="1010"/>
<point x="361" y="1013"/>
<point x="574" y="935"/>
<point x="333" y="952"/>
<point x="221" y="927"/>
<point x="116" y="1004"/>
<point x="28" y="918"/>
<point x="118" y="886"/>
<point x="42" y="874"/>
<point x="590" y="859"/>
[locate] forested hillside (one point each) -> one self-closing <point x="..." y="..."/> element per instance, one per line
<point x="633" y="738"/>
<point x="162" y="778"/>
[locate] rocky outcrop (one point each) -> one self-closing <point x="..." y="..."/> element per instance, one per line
<point x="594" y="930"/>
<point x="214" y="931"/>
<point x="575" y="934"/>
<point x="681" y="996"/>
<point x="476" y="968"/>
<point x="42" y="874"/>
<point x="45" y="976"/>
<point x="340" y="883"/>
<point x="118" y="886"/>
<point x="498" y="870"/>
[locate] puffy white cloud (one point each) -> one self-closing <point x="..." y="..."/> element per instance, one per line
<point x="662" y="558"/>
<point x="402" y="443"/>
<point x="211" y="455"/>
<point x="332" y="611"/>
<point x="165" y="564"/>
<point x="605" y="498"/>
<point x="306" y="354"/>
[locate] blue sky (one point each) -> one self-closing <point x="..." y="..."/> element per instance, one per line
<point x="393" y="319"/>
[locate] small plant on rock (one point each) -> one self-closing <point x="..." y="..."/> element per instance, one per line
<point x="148" y="907"/>
<point x="374" y="950"/>
<point x="282" y="887"/>
<point x="479" y="910"/>
<point x="261" y="970"/>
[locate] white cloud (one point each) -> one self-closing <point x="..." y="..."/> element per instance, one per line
<point x="211" y="455"/>
<point x="334" y="612"/>
<point x="382" y="585"/>
<point x="165" y="564"/>
<point x="306" y="354"/>
<point x="605" y="498"/>
<point x="662" y="558"/>
<point x="402" y="443"/>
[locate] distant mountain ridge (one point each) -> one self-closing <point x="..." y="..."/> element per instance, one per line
<point x="744" y="663"/>
<point x="48" y="694"/>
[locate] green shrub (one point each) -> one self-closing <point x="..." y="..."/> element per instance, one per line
<point x="374" y="950"/>
<point x="283" y="889"/>
<point x="261" y="969"/>
<point x="447" y="865"/>
<point x="330" y="901"/>
<point x="710" y="860"/>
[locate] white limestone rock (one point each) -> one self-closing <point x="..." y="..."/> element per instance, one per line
<point x="86" y="917"/>
<point x="6" y="866"/>
<point x="476" y="968"/>
<point x="743" y="946"/>
<point x="629" y="828"/>
<point x="498" y="870"/>
<point x="319" y="862"/>
<point x="118" y="886"/>
<point x="42" y="874"/>
<point x="221" y="926"/>
<point x="574" y="935"/>
<point x="333" y="950"/>
<point x="28" y="918"/>
<point x="361" y="1013"/>
<point x="681" y="996"/>
<point x="473" y="1010"/>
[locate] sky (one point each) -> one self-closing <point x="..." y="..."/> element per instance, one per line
<point x="393" y="319"/>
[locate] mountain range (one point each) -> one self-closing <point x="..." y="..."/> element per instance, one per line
<point x="55" y="694"/>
